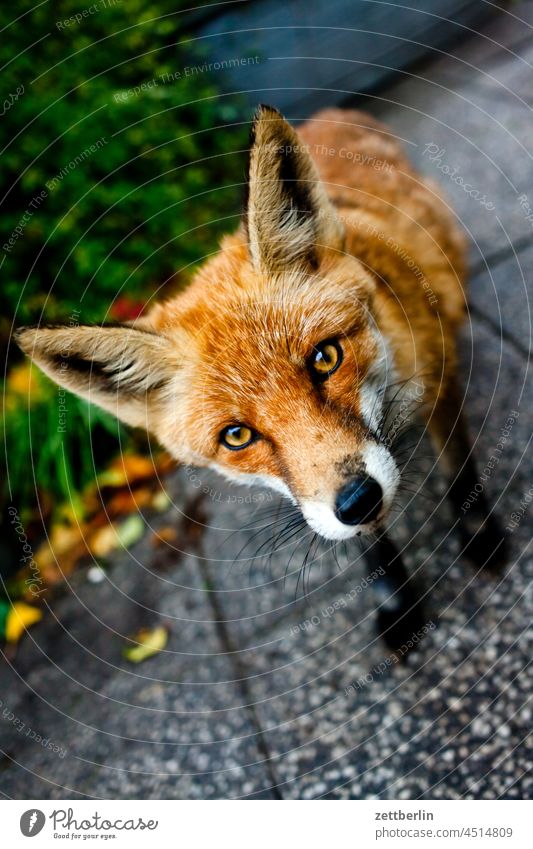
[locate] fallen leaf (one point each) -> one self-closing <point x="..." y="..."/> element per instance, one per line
<point x="149" y="641"/>
<point x="25" y="382"/>
<point x="125" y="308"/>
<point x="20" y="617"/>
<point x="130" y="531"/>
<point x="164" y="535"/>
<point x="105" y="540"/>
<point x="160" y="501"/>
<point x="59" y="555"/>
<point x="126" y="501"/>
<point x="128" y="468"/>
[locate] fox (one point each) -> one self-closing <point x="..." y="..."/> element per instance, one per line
<point x="301" y="350"/>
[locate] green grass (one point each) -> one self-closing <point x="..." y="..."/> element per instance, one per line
<point x="129" y="218"/>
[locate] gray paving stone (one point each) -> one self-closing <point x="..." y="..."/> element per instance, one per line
<point x="176" y="726"/>
<point x="144" y="740"/>
<point x="502" y="293"/>
<point x="480" y="120"/>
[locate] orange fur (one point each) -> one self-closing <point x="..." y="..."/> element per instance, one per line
<point x="376" y="257"/>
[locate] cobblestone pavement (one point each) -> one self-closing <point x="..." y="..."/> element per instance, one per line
<point x="252" y="696"/>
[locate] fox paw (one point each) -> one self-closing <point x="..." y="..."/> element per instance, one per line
<point x="485" y="545"/>
<point x="402" y="623"/>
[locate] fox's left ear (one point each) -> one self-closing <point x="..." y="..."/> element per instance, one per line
<point x="123" y="369"/>
<point x="288" y="215"/>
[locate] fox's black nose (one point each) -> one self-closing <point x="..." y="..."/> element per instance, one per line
<point x="359" y="501"/>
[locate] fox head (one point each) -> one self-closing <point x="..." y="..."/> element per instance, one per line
<point x="269" y="367"/>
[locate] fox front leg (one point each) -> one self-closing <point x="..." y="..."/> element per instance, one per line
<point x="483" y="541"/>
<point x="400" y="615"/>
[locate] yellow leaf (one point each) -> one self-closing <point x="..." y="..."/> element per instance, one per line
<point x="104" y="540"/>
<point x="149" y="641"/>
<point x="20" y="617"/>
<point x="24" y="381"/>
<point x="161" y="501"/>
<point x="127" y="469"/>
<point x="111" y="477"/>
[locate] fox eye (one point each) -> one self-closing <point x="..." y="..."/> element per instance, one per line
<point x="236" y="436"/>
<point x="325" y="359"/>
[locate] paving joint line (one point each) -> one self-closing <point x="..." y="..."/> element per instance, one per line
<point x="500" y="255"/>
<point x="231" y="648"/>
<point x="500" y="331"/>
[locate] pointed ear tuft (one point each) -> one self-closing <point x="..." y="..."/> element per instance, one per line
<point x="122" y="369"/>
<point x="288" y="215"/>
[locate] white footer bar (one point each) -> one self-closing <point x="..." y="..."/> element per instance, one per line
<point x="251" y="825"/>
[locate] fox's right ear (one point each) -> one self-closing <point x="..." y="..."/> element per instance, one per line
<point x="123" y="369"/>
<point x="288" y="215"/>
